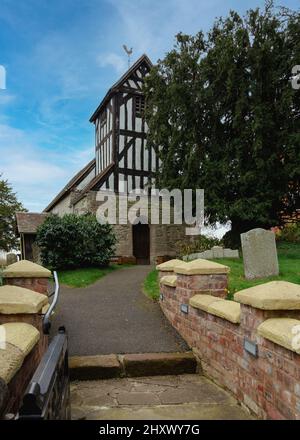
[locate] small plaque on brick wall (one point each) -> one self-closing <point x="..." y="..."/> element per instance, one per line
<point x="161" y="296"/>
<point x="184" y="308"/>
<point x="251" y="347"/>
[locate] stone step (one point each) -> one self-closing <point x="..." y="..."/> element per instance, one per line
<point x="184" y="397"/>
<point x="131" y="365"/>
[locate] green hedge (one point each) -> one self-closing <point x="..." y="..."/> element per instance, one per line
<point x="74" y="241"/>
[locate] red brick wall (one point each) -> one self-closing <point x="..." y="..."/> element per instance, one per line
<point x="39" y="285"/>
<point x="20" y="381"/>
<point x="268" y="385"/>
<point x="216" y="285"/>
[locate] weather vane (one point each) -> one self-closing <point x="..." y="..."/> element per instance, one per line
<point x="129" y="52"/>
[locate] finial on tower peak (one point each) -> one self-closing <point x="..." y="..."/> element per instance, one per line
<point x="129" y="52"/>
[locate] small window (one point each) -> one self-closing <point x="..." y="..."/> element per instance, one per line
<point x="139" y="106"/>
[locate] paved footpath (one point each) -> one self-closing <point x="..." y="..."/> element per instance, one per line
<point x="114" y="316"/>
<point x="183" y="397"/>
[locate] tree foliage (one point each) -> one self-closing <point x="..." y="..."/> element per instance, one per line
<point x="9" y="205"/>
<point x="74" y="241"/>
<point x="223" y="111"/>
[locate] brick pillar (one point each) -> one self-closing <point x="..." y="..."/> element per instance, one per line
<point x="18" y="304"/>
<point x="28" y="275"/>
<point x="201" y="277"/>
<point x="167" y="268"/>
<point x="268" y="379"/>
<point x="265" y="301"/>
<point x="196" y="277"/>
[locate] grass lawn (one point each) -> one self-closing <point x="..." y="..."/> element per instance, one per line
<point x="289" y="264"/>
<point x="86" y="276"/>
<point x="151" y="285"/>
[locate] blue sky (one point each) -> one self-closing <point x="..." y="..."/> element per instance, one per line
<point x="61" y="56"/>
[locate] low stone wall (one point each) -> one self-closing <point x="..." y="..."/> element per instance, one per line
<point x="23" y="302"/>
<point x="213" y="253"/>
<point x="236" y="341"/>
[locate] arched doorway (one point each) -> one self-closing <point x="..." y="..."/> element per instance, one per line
<point x="141" y="243"/>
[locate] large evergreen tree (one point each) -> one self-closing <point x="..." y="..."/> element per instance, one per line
<point x="227" y="119"/>
<point x="9" y="205"/>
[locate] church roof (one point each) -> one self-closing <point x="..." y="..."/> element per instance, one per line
<point x="28" y="222"/>
<point x="95" y="183"/>
<point x="71" y="184"/>
<point x="143" y="59"/>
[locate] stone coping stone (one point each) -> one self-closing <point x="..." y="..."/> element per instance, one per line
<point x="45" y="309"/>
<point x="275" y="295"/>
<point x="11" y="360"/>
<point x="168" y="266"/>
<point x="158" y="364"/>
<point x="94" y="367"/>
<point x="22" y="335"/>
<point x="229" y="310"/>
<point x="169" y="280"/>
<point x="18" y="300"/>
<point x="201" y="267"/>
<point x="202" y="302"/>
<point x="26" y="269"/>
<point x="282" y="331"/>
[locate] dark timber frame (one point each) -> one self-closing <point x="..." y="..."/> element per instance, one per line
<point x="121" y="134"/>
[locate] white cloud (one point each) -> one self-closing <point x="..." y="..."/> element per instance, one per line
<point x="36" y="174"/>
<point x="114" y="60"/>
<point x="151" y="26"/>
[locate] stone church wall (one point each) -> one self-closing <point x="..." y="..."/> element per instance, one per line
<point x="162" y="237"/>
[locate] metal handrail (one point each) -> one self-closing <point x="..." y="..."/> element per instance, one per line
<point x="46" y="320"/>
<point x="47" y="396"/>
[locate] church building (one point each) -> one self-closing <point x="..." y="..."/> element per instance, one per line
<point x="122" y="160"/>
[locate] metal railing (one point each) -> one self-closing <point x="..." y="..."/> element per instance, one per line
<point x="48" y="394"/>
<point x="47" y="317"/>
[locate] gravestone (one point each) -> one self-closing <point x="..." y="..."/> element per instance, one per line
<point x="213" y="253"/>
<point x="11" y="258"/>
<point x="218" y="252"/>
<point x="259" y="253"/>
<point x="231" y="253"/>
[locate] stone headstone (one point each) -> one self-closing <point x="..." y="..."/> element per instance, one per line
<point x="231" y="253"/>
<point x="259" y="254"/>
<point x="11" y="258"/>
<point x="218" y="252"/>
<point x="207" y="255"/>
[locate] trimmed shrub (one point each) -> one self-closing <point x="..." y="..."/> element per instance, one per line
<point x="74" y="241"/>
